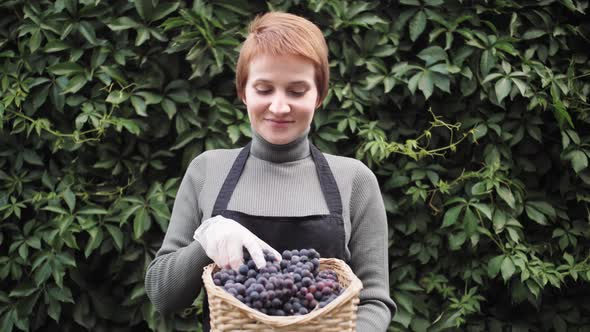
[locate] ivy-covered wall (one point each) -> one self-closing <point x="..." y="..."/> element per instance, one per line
<point x="473" y="115"/>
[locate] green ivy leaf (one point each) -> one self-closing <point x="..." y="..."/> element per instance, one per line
<point x="92" y="211"/>
<point x="507" y="268"/>
<point x="117" y="236"/>
<point x="117" y="97"/>
<point x="66" y="68"/>
<point x="417" y="25"/>
<point x="487" y="62"/>
<point x="150" y="97"/>
<point x="169" y="107"/>
<point x="35" y="41"/>
<point x="426" y="85"/>
<point x="55" y="209"/>
<point x="432" y="55"/>
<point x="480" y="131"/>
<point x="137" y="292"/>
<point x="457" y="240"/>
<point x="441" y="81"/>
<point x="75" y="84"/>
<point x="55" y="46"/>
<point x="123" y="23"/>
<point x="113" y="72"/>
<point x="543" y="207"/>
<point x="138" y="105"/>
<point x="503" y="87"/>
<point x="452" y="215"/>
<point x="506" y="195"/>
<point x="331" y="134"/>
<point x="187" y="137"/>
<point x="87" y="30"/>
<point x="70" y="199"/>
<point x="234" y="133"/>
<point x="23" y="289"/>
<point x="533" y="34"/>
<point x="145" y="9"/>
<point x="96" y="236"/>
<point x="54" y="310"/>
<point x="143" y="34"/>
<point x="579" y="160"/>
<point x="141" y="223"/>
<point x="470" y="222"/>
<point x="535" y="215"/>
<point x="164" y="9"/>
<point x="483" y="208"/>
<point x="32" y="157"/>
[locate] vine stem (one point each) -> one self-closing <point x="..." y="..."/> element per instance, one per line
<point x="60" y="134"/>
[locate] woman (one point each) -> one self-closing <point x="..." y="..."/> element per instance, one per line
<point x="278" y="192"/>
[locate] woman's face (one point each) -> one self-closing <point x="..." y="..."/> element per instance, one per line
<point x="280" y="96"/>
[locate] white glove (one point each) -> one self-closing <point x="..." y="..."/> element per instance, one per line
<point x="223" y="240"/>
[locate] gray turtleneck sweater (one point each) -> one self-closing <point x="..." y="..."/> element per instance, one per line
<point x="277" y="180"/>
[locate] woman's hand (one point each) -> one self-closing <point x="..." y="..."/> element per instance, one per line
<point x="224" y="239"/>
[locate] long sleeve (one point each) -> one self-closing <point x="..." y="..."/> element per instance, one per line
<point x="173" y="278"/>
<point x="369" y="252"/>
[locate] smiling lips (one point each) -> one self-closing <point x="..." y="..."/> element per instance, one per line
<point x="279" y="123"/>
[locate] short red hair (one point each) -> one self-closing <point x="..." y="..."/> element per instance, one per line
<point x="277" y="33"/>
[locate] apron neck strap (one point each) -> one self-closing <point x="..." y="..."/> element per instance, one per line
<point x="327" y="181"/>
<point x="227" y="189"/>
<point x="325" y="176"/>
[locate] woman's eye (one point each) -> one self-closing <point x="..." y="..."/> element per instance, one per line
<point x="297" y="93"/>
<point x="264" y="92"/>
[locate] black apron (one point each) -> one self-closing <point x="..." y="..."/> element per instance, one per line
<point x="325" y="233"/>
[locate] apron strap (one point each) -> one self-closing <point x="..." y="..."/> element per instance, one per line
<point x="327" y="181"/>
<point x="231" y="181"/>
<point x="325" y="176"/>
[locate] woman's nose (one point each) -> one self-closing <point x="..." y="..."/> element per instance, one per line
<point x="279" y="105"/>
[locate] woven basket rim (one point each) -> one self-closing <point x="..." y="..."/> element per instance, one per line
<point x="349" y="293"/>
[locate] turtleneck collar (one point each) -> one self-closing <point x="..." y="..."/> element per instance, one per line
<point x="280" y="153"/>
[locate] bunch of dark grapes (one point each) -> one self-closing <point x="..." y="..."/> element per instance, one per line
<point x="295" y="286"/>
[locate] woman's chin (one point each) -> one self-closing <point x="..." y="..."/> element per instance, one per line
<point x="279" y="139"/>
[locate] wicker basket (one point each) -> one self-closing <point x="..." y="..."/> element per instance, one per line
<point x="229" y="314"/>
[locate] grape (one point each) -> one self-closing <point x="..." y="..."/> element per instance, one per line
<point x="284" y="264"/>
<point x="288" y="307"/>
<point x="249" y="282"/>
<point x="313" y="253"/>
<point x="252" y="273"/>
<point x="317" y="295"/>
<point x="306" y="281"/>
<point x="259" y="288"/>
<point x="313" y="304"/>
<point x="286" y="254"/>
<point x="293" y="286"/>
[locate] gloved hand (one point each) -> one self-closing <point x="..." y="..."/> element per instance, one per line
<point x="223" y="240"/>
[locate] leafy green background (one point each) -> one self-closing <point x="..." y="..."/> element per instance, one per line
<point x="473" y="115"/>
